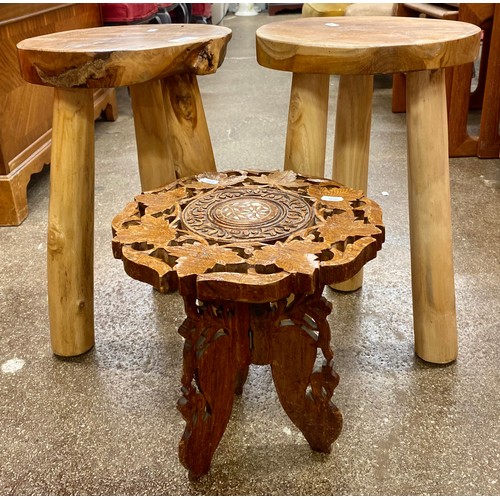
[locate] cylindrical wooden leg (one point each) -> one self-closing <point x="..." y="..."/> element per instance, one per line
<point x="156" y="164"/>
<point x="430" y="218"/>
<point x="307" y="123"/>
<point x="352" y="143"/>
<point x="70" y="246"/>
<point x="187" y="125"/>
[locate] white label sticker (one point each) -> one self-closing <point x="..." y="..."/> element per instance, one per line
<point x="209" y="181"/>
<point x="332" y="25"/>
<point x="332" y="198"/>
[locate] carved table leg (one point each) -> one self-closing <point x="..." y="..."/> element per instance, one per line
<point x="352" y="143"/>
<point x="70" y="246"/>
<point x="434" y="313"/>
<point x="307" y="123"/>
<point x="216" y="352"/>
<point x="300" y="329"/>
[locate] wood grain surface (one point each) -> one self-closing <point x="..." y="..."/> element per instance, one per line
<point x="114" y="56"/>
<point x="365" y="45"/>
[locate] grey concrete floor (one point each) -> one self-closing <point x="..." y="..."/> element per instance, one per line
<point x="106" y="422"/>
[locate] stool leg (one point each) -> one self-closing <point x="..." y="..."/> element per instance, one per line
<point x="156" y="164"/>
<point x="187" y="125"/>
<point x="216" y="354"/>
<point x="70" y="246"/>
<point x="307" y="123"/>
<point x="352" y="143"/>
<point x="304" y="394"/>
<point x="430" y="218"/>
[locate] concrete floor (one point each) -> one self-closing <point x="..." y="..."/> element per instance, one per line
<point x="106" y="422"/>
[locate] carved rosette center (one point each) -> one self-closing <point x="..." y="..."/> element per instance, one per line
<point x="248" y="214"/>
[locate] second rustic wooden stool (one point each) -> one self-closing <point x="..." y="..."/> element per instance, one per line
<point x="160" y="64"/>
<point x="356" y="48"/>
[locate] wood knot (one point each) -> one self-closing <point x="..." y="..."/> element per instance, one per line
<point x="55" y="240"/>
<point x="96" y="69"/>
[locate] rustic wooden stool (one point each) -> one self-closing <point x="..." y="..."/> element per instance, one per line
<point x="357" y="48"/>
<point x="160" y="64"/>
<point x="250" y="253"/>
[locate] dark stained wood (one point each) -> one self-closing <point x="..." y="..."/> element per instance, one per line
<point x="239" y="232"/>
<point x="250" y="252"/>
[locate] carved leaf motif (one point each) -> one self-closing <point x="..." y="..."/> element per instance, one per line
<point x="129" y="213"/>
<point x="153" y="231"/>
<point x="214" y="179"/>
<point x="161" y="201"/>
<point x="287" y="178"/>
<point x="339" y="227"/>
<point x="297" y="256"/>
<point x="335" y="197"/>
<point x="197" y="259"/>
<point x="372" y="212"/>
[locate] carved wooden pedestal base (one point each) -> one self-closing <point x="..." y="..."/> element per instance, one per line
<point x="224" y="338"/>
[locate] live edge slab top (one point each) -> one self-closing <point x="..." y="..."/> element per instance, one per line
<point x="115" y="56"/>
<point x="365" y="45"/>
<point x="250" y="252"/>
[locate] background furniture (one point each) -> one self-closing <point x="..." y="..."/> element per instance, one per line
<point x="356" y="48"/>
<point x="25" y="128"/>
<point x="460" y="99"/>
<point x="159" y="63"/>
<point x="250" y="253"/>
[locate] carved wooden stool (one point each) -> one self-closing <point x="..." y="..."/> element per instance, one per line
<point x="160" y="64"/>
<point x="250" y="252"/>
<point x="357" y="48"/>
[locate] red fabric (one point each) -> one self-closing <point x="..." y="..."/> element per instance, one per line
<point x="201" y="9"/>
<point x="127" y="12"/>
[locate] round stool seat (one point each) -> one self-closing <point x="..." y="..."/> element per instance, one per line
<point x="115" y="56"/>
<point x="365" y="45"/>
<point x="248" y="236"/>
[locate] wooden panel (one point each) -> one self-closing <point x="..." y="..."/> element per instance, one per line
<point x="28" y="106"/>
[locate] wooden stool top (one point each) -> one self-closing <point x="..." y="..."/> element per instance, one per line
<point x="247" y="236"/>
<point x="365" y="45"/>
<point x="114" y="56"/>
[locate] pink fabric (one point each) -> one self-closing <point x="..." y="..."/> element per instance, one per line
<point x="127" y="12"/>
